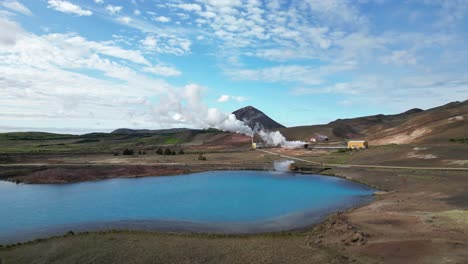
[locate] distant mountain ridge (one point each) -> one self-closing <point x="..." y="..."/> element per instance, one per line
<point x="434" y="125"/>
<point x="255" y="118"/>
<point x="127" y="131"/>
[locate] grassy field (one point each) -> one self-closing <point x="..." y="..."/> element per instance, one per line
<point x="38" y="142"/>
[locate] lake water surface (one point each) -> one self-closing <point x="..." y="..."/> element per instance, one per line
<point x="219" y="201"/>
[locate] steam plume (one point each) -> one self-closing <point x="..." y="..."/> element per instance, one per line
<point x="276" y="139"/>
<point x="187" y="108"/>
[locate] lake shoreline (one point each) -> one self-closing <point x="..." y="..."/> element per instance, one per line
<point x="349" y="194"/>
<point x="63" y="174"/>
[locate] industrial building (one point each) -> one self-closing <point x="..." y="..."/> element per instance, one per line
<point x="357" y="144"/>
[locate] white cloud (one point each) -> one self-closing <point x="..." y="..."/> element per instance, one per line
<point x="113" y="9"/>
<point x="9" y="32"/>
<point x="136" y="12"/>
<point x="45" y="74"/>
<point x="162" y="19"/>
<point x="17" y="6"/>
<point x="67" y="7"/>
<point x="337" y="11"/>
<point x="83" y="45"/>
<point x="399" y="57"/>
<point x="289" y="73"/>
<point x="338" y="88"/>
<point x="149" y="42"/>
<point x="125" y="19"/>
<point x="165" y="43"/>
<point x="99" y="1"/>
<point x="190" y="7"/>
<point x="163" y="71"/>
<point x="226" y="98"/>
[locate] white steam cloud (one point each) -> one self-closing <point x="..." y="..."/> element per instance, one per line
<point x="276" y="139"/>
<point x="283" y="165"/>
<point x="186" y="107"/>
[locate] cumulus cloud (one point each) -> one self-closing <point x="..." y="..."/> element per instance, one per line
<point x="162" y="19"/>
<point x="9" y="32"/>
<point x="81" y="44"/>
<point x="67" y="7"/>
<point x="113" y="9"/>
<point x="190" y="7"/>
<point x="125" y="19"/>
<point x="73" y="99"/>
<point x="226" y="98"/>
<point x="16" y="6"/>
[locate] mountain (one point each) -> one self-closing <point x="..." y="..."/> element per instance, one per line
<point x="255" y="118"/>
<point x="434" y="125"/>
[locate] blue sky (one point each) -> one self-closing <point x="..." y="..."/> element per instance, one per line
<point x="96" y="65"/>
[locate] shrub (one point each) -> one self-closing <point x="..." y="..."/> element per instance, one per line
<point x="460" y="140"/>
<point x="159" y="151"/>
<point x="181" y="152"/>
<point x="201" y="156"/>
<point x="128" y="152"/>
<point x="167" y="151"/>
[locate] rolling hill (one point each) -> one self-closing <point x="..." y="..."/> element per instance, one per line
<point x="434" y="125"/>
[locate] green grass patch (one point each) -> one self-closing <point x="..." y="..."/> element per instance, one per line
<point x="459" y="216"/>
<point x="171" y="141"/>
<point x="459" y="140"/>
<point x="34" y="136"/>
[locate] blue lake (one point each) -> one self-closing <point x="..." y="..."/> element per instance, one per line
<point x="219" y="201"/>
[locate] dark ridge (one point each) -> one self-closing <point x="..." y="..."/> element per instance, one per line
<point x="255" y="118"/>
<point x="128" y="131"/>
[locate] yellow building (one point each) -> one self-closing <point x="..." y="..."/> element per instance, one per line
<point x="357" y="144"/>
<point x="257" y="145"/>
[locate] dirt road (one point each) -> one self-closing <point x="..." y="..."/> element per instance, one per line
<point x="364" y="166"/>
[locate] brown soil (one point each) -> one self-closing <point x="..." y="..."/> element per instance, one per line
<point x="78" y="168"/>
